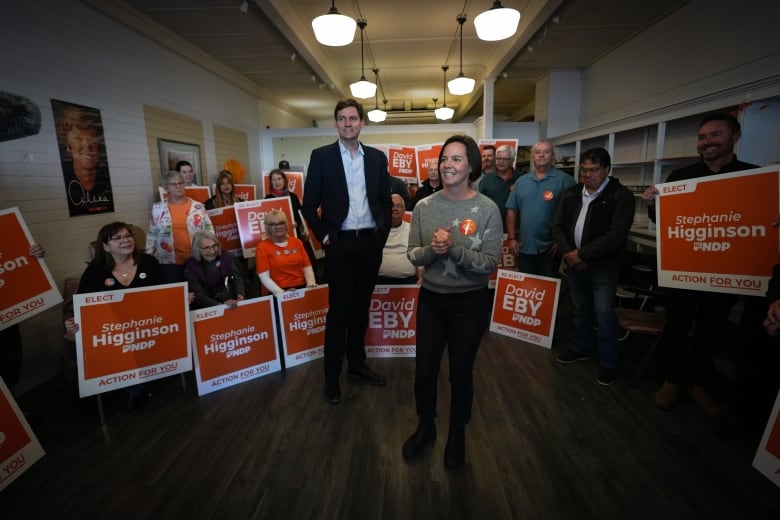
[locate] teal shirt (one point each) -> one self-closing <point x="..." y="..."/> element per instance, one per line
<point x="535" y="202"/>
<point x="497" y="189"/>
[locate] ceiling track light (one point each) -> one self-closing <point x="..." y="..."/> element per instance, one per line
<point x="362" y="89"/>
<point x="377" y="115"/>
<point x="461" y="85"/>
<point x="334" y="29"/>
<point x="497" y="23"/>
<point x="444" y="112"/>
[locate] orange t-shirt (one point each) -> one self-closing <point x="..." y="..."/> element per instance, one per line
<point x="284" y="263"/>
<point x="182" y="245"/>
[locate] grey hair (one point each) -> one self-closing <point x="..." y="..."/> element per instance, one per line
<point x="170" y="175"/>
<point x="196" y="244"/>
<point x="507" y="148"/>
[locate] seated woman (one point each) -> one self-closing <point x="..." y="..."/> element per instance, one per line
<point x="281" y="261"/>
<point x="118" y="264"/>
<point x="213" y="275"/>
<point x="226" y="192"/>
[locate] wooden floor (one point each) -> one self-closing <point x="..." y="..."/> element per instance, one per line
<point x="545" y="441"/>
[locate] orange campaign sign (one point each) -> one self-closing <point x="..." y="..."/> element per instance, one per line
<point x="245" y="192"/>
<point x="715" y="233"/>
<point x="302" y="314"/>
<point x="427" y="156"/>
<point x="232" y="346"/>
<point x="197" y="193"/>
<point x="26" y="285"/>
<point x="507" y="260"/>
<point x="130" y="336"/>
<point x="226" y="228"/>
<point x="767" y="458"/>
<point x="402" y="162"/>
<point x="294" y="183"/>
<point x="250" y="219"/>
<point x="525" y="307"/>
<point x="19" y="448"/>
<point x="392" y="321"/>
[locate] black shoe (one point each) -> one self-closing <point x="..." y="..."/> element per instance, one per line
<point x="422" y="436"/>
<point x="332" y="391"/>
<point x="455" y="451"/>
<point x="365" y="374"/>
<point x="607" y="376"/>
<point x="572" y="356"/>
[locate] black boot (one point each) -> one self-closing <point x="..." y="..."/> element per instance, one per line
<point x="422" y="436"/>
<point x="455" y="451"/>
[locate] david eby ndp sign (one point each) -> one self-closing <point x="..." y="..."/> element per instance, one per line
<point x="715" y="233"/>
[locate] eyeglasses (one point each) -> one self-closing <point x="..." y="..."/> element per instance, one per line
<point x="591" y="170"/>
<point x="503" y="158"/>
<point x="119" y="238"/>
<point x="209" y="247"/>
<point x="399" y="206"/>
<point x="175" y="184"/>
<point x="275" y="224"/>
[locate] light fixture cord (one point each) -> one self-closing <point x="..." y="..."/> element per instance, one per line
<point x="461" y="20"/>
<point x="362" y="63"/>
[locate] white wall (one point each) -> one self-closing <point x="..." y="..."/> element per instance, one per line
<point x="705" y="47"/>
<point x="63" y="49"/>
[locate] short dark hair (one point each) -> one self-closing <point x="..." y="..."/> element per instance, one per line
<point x="284" y="165"/>
<point x="489" y="147"/>
<point x="345" y="103"/>
<point x="182" y="163"/>
<point x="472" y="153"/>
<point x="727" y="118"/>
<point x="102" y="257"/>
<point x="598" y="156"/>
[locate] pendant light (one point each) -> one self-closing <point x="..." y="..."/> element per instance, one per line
<point x="444" y="112"/>
<point x="362" y="89"/>
<point x="461" y="85"/>
<point x="334" y="29"/>
<point x="497" y="23"/>
<point x="377" y="115"/>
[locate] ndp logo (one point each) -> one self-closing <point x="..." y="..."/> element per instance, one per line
<point x="711" y="246"/>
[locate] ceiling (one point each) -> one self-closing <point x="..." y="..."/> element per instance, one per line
<point x="273" y="46"/>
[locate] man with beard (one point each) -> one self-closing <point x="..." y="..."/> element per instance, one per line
<point x="718" y="133"/>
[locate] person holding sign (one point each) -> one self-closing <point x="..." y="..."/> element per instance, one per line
<point x="591" y="229"/>
<point x="718" y="133"/>
<point x="172" y="225"/>
<point x="456" y="235"/>
<point x="11" y="341"/>
<point x="118" y="264"/>
<point x="226" y="192"/>
<point x="281" y="260"/>
<point x="213" y="275"/>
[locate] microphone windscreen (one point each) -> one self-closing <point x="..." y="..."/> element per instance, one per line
<point x="19" y="117"/>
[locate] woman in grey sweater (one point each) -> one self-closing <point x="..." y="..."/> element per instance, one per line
<point x="456" y="236"/>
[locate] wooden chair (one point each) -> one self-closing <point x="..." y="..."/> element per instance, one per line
<point x="636" y="319"/>
<point x="642" y="322"/>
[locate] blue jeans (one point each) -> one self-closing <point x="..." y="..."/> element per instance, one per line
<point x="542" y="264"/>
<point x="593" y="292"/>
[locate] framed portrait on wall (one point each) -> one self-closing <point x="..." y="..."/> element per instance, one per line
<point x="173" y="152"/>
